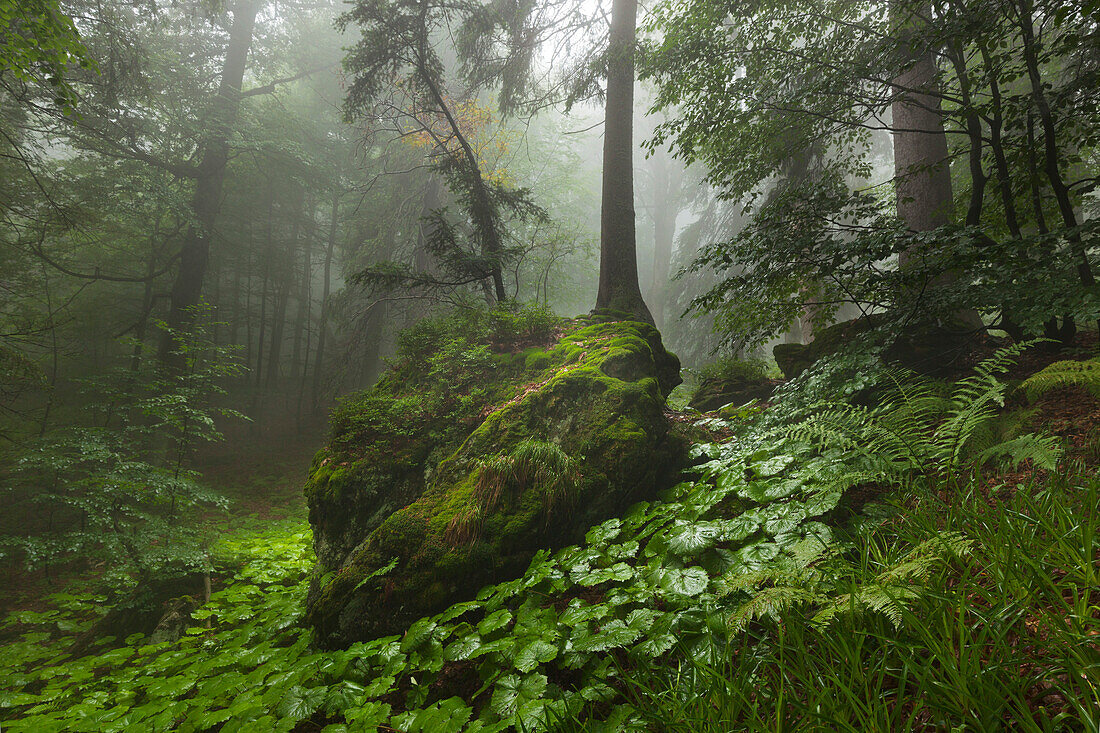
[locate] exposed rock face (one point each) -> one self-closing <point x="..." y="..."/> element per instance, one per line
<point x="566" y="436"/>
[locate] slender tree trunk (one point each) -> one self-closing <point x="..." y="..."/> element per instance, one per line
<point x="667" y="183"/>
<point x="996" y="145"/>
<point x="483" y="213"/>
<point x="326" y="285"/>
<point x="268" y="253"/>
<point x="283" y="288"/>
<point x="304" y="313"/>
<point x="978" y="177"/>
<point x="301" y="325"/>
<point x="1050" y="159"/>
<point x="146" y="301"/>
<point x="664" y="232"/>
<point x="248" y="299"/>
<point x="619" y="289"/>
<point x="195" y="251"/>
<point x="278" y="328"/>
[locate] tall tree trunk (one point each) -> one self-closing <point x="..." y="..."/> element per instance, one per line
<point x="278" y="325"/>
<point x="305" y="306"/>
<point x="996" y="144"/>
<point x="1050" y="154"/>
<point x="922" y="175"/>
<point x="922" y="171"/>
<point x="326" y="285"/>
<point x="285" y="284"/>
<point x="268" y="254"/>
<point x="619" y="289"/>
<point x="978" y="177"/>
<point x="195" y="251"/>
<point x="665" y="202"/>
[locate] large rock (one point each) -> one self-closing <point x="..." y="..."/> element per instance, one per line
<point x="934" y="350"/>
<point x="718" y="391"/>
<point x="566" y="436"/>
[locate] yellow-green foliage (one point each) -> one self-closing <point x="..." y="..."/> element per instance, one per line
<point x="1063" y="374"/>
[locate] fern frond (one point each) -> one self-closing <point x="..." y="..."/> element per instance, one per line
<point x="919" y="563"/>
<point x="888" y="600"/>
<point x="770" y="601"/>
<point x="1063" y="374"/>
<point x="1043" y="451"/>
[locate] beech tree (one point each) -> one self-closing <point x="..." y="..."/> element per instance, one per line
<point x="794" y="74"/>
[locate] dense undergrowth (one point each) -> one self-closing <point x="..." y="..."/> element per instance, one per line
<point x="765" y="593"/>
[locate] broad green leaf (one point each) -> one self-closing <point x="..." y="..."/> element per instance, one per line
<point x="688" y="581"/>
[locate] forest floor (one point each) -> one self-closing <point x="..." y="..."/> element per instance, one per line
<point x="255" y="664"/>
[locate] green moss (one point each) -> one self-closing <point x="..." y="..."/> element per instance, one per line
<point x="536" y="360"/>
<point x="600" y="407"/>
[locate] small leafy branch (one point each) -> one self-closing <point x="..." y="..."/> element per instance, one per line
<point x="114" y="489"/>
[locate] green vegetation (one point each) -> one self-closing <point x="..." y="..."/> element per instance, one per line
<point x="758" y="595"/>
<point x="454" y="504"/>
<point x="731" y="369"/>
<point x="118" y="487"/>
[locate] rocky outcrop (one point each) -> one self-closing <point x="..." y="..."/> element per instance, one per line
<point x="407" y="521"/>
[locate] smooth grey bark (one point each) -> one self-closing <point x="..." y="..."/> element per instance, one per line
<point x="922" y="176"/>
<point x="619" y="289"/>
<point x="922" y="167"/>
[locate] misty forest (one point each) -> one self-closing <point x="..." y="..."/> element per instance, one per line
<point x="549" y="365"/>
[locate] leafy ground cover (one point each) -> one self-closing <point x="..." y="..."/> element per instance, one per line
<point x="764" y="593"/>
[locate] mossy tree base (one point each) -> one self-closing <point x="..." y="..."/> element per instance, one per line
<point x="568" y="436"/>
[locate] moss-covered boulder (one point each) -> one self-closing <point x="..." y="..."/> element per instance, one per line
<point x="559" y="438"/>
<point x="932" y="349"/>
<point x="727" y="381"/>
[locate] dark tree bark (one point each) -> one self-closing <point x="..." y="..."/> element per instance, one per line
<point x="978" y="177"/>
<point x="996" y="145"/>
<point x="195" y="251"/>
<point x="305" y="300"/>
<point x="1050" y="144"/>
<point x="619" y="289"/>
<point x="482" y="213"/>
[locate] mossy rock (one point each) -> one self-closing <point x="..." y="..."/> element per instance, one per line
<point x="931" y="349"/>
<point x="583" y="439"/>
<point x="793" y="359"/>
<point x="716" y="392"/>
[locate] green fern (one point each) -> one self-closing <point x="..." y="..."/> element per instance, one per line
<point x="770" y="602"/>
<point x="892" y="589"/>
<point x="920" y="432"/>
<point x="1063" y="374"/>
